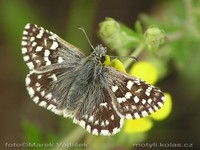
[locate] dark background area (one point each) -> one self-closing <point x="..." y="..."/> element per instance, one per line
<point x="183" y="124"/>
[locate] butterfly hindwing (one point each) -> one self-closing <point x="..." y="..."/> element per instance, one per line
<point x="102" y="119"/>
<point x="133" y="97"/>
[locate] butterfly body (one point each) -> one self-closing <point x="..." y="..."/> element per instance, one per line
<point x="96" y="96"/>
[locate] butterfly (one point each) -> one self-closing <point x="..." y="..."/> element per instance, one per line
<point x="98" y="97"/>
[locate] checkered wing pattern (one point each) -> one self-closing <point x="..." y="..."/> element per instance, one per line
<point x="103" y="119"/>
<point x="40" y="87"/>
<point x="133" y="97"/>
<point x="42" y="48"/>
<point x="45" y="54"/>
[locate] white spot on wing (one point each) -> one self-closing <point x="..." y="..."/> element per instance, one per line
<point x="38" y="88"/>
<point x="138" y="91"/>
<point x="144" y="113"/>
<point x="149" y="100"/>
<point x="43" y="104"/>
<point x="163" y="98"/>
<point x="34" y="44"/>
<point x="32" y="38"/>
<point x="128" y="95"/>
<point x="38" y="48"/>
<point x="114" y="88"/>
<point x="28" y="81"/>
<point x="121" y="99"/>
<point x="144" y="101"/>
<point x="24" y="38"/>
<point x="86" y="116"/>
<point x="82" y="123"/>
<point x="136" y="115"/>
<point x="56" y="111"/>
<point x="42" y="93"/>
<point x="30" y="65"/>
<point x="95" y="132"/>
<point x="136" y="99"/>
<point x="37" y="84"/>
<point x="49" y="96"/>
<point x="105" y="132"/>
<point x="24" y="43"/>
<point x="115" y="130"/>
<point x="51" y="107"/>
<point x="91" y="118"/>
<point x="46" y="52"/>
<point x="103" y="104"/>
<point x="129" y="84"/>
<point x="128" y="116"/>
<point x="60" y="60"/>
<point x="133" y="107"/>
<point x="45" y="42"/>
<point x="40" y="34"/>
<point x="156" y="108"/>
<point x="151" y="110"/>
<point x="112" y="117"/>
<point x="48" y="62"/>
<point x="96" y="122"/>
<point x="160" y="104"/>
<point x="107" y="122"/>
<point x="36" y="99"/>
<point x="53" y="76"/>
<point x="26" y="58"/>
<point x="37" y="61"/>
<point x="88" y="128"/>
<point x="147" y="93"/>
<point x="54" y="45"/>
<point x="149" y="89"/>
<point x="25" y="32"/>
<point x="102" y="123"/>
<point x="27" y="26"/>
<point x="24" y="50"/>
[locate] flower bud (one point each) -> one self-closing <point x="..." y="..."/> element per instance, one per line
<point x="154" y="37"/>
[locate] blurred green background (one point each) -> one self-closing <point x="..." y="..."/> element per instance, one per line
<point x="23" y="121"/>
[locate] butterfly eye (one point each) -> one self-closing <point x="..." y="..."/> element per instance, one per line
<point x="102" y="59"/>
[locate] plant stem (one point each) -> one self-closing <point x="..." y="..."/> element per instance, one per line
<point x="135" y="53"/>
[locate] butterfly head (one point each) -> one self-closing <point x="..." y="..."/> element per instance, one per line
<point x="99" y="53"/>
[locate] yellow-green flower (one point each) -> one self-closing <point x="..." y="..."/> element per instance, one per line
<point x="138" y="125"/>
<point x="146" y="71"/>
<point x="116" y="63"/>
<point x="107" y="60"/>
<point x="165" y="110"/>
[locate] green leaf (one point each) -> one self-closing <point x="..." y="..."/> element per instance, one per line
<point x="138" y="28"/>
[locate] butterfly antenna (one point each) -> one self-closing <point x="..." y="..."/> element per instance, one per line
<point x="82" y="29"/>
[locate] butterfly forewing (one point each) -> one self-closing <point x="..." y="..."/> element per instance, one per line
<point x="42" y="48"/>
<point x="45" y="53"/>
